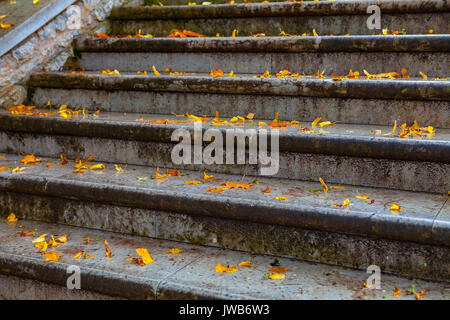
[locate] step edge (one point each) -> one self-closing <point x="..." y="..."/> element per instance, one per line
<point x="398" y="43"/>
<point x="365" y="89"/>
<point x="337" y="144"/>
<point x="338" y="221"/>
<point x="275" y="9"/>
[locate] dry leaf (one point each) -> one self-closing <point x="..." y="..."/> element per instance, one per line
<point x="11" y="218"/>
<point x="18" y="169"/>
<point x="108" y="252"/>
<point x="207" y="177"/>
<point x="159" y="176"/>
<point x="52" y="256"/>
<point x="145" y="256"/>
<point x="267" y="190"/>
<point x="30" y="159"/>
<point x="192" y="182"/>
<point x="217" y="189"/>
<point x="174" y="251"/>
<point x="155" y="72"/>
<point x="341" y="205"/>
<point x="278" y="270"/>
<point x="221" y="269"/>
<point x="247" y="263"/>
<point x="324" y="186"/>
<point x="397" y="293"/>
<point x="40" y="238"/>
<point x="100" y="166"/>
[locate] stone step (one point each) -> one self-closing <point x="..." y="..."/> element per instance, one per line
<point x="371" y="102"/>
<point x="348" y="154"/>
<point x="413" y="241"/>
<point x="187" y="275"/>
<point x="326" y="17"/>
<point x="428" y="54"/>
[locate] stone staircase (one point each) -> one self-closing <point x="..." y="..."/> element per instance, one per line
<point x="131" y="131"/>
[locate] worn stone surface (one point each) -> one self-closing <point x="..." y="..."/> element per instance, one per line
<point x="312" y="245"/>
<point x="341" y="140"/>
<point x="412" y="89"/>
<point x="384" y="43"/>
<point x="339" y="165"/>
<point x="304" y="209"/>
<point x="306" y="8"/>
<point x="296" y="25"/>
<point x="350" y="111"/>
<point x="433" y="64"/>
<point x="189" y="274"/>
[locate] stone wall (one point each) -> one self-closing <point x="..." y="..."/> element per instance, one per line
<point x="49" y="47"/>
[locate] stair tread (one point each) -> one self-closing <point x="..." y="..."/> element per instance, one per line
<point x="415" y="222"/>
<point x="248" y="84"/>
<point x="350" y="43"/>
<point x="189" y="274"/>
<point x="344" y="130"/>
<point x="339" y="139"/>
<point x="338" y="7"/>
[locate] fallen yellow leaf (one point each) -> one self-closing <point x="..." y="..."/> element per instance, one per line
<point x="247" y="263"/>
<point x="278" y="270"/>
<point x="30" y="159"/>
<point x="100" y="166"/>
<point x="155" y="72"/>
<point x="207" y="177"/>
<point x="11" y="218"/>
<point x="146" y="257"/>
<point x="108" y="252"/>
<point x="52" y="256"/>
<point x="41" y="238"/>
<point x="174" y="251"/>
<point x="267" y="190"/>
<point x="397" y="293"/>
<point x="221" y="269"/>
<point x="192" y="182"/>
<point x="344" y="204"/>
<point x="324" y="186"/>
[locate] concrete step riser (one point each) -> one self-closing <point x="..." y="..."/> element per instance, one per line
<point x="433" y="64"/>
<point x="271" y="26"/>
<point x="396" y="174"/>
<point x="399" y="257"/>
<point x="353" y="111"/>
